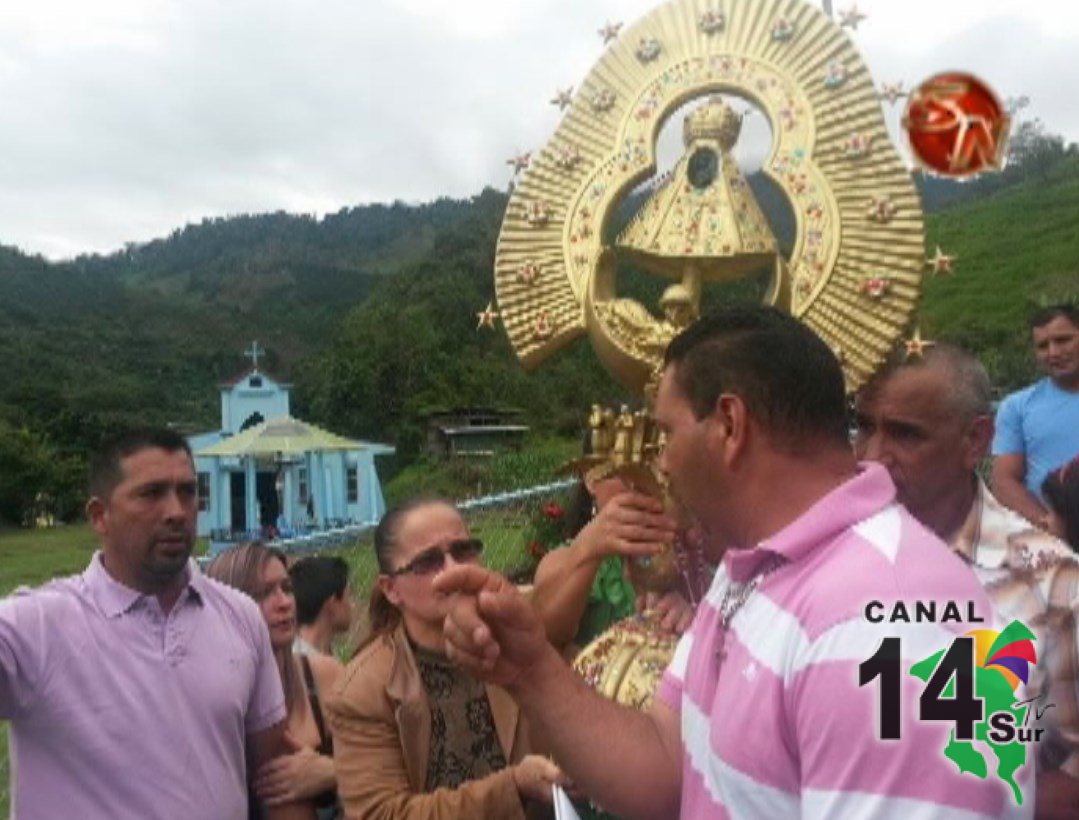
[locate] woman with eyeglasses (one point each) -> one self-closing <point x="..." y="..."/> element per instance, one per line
<point x="306" y="775"/>
<point x="416" y="736"/>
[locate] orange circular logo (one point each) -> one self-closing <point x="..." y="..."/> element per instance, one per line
<point x="956" y="125"/>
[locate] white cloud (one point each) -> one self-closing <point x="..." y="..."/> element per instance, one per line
<point x="123" y="119"/>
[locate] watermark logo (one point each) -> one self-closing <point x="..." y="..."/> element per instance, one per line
<point x="972" y="684"/>
<point x="956" y="125"/>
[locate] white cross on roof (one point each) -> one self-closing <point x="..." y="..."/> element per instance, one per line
<point x="254" y="353"/>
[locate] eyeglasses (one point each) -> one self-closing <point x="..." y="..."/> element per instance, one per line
<point x="434" y="559"/>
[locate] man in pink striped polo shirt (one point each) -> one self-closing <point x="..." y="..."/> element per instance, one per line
<point x="761" y="713"/>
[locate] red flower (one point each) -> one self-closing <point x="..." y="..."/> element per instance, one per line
<point x="537" y="550"/>
<point x="553" y="511"/>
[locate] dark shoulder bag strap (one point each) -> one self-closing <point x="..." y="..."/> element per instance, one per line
<point x="325" y="741"/>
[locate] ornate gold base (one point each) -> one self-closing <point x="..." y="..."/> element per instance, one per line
<point x="626" y="662"/>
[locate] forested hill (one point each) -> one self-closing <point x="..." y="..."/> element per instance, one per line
<point x="146" y="334"/>
<point x="152" y="328"/>
<point x="371" y="313"/>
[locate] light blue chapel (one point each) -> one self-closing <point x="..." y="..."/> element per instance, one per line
<point x="265" y="474"/>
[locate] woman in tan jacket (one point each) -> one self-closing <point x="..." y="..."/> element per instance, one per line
<point x="414" y="736"/>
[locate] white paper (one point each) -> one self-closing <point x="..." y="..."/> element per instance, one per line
<point x="563" y="808"/>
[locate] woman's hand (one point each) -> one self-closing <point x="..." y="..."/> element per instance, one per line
<point x="535" y="775"/>
<point x="300" y="774"/>
<point x="630" y="524"/>
<point x="673" y="612"/>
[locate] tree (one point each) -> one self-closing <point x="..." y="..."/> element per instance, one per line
<point x="1034" y="151"/>
<point x="35" y="479"/>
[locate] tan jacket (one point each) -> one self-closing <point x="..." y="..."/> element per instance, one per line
<point x="381" y="741"/>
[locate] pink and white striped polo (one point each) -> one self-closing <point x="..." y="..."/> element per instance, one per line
<point x="779" y="727"/>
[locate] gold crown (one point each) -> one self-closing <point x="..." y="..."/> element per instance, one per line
<point x="714" y="120"/>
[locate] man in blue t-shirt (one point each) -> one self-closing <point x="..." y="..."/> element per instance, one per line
<point x="1038" y="427"/>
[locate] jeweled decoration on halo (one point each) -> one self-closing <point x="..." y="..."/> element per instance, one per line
<point x="835" y="75"/>
<point x="858" y="145"/>
<point x="648" y="49"/>
<point x="782" y="30"/>
<point x="881" y="209"/>
<point x="603" y="100"/>
<point x="711" y="21"/>
<point x="803" y="284"/>
<point x="876" y="287"/>
<point x="567" y="157"/>
<point x="528" y="273"/>
<point x="542" y="328"/>
<point x="538" y="213"/>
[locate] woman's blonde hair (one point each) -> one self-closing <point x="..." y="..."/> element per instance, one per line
<point x="241" y="567"/>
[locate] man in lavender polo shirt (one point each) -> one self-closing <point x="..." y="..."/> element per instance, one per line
<point x="133" y="688"/>
<point x="760" y="713"/>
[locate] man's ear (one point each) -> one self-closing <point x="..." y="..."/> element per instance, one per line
<point x="731" y="425"/>
<point x="978" y="439"/>
<point x="96" y="513"/>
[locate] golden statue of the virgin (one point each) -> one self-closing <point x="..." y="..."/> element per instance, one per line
<point x="853" y="274"/>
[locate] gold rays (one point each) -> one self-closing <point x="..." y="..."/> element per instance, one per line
<point x="604" y="146"/>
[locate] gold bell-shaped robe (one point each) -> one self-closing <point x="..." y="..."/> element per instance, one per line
<point x="702" y="221"/>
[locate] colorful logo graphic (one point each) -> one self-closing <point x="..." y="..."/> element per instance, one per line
<point x="972" y="684"/>
<point x="956" y="125"/>
<point x="1010" y="652"/>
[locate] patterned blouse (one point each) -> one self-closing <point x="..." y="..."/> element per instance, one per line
<point x="464" y="745"/>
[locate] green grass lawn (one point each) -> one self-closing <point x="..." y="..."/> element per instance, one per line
<point x="32" y="557"/>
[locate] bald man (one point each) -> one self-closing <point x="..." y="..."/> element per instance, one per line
<point x="929" y="421"/>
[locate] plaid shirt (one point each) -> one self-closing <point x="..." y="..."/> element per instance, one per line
<point x="1034" y="578"/>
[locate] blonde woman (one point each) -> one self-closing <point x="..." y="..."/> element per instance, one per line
<point x="306" y="775"/>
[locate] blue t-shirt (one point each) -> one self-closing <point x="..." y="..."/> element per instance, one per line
<point x="1042" y="423"/>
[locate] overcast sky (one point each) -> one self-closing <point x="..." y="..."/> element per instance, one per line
<point x="124" y="119"/>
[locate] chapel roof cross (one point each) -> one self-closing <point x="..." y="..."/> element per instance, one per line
<point x="253" y="354"/>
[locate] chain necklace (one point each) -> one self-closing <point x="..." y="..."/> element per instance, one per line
<point x="735" y="597"/>
<point x="689" y="558"/>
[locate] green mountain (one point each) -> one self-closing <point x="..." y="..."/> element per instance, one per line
<point x="371" y="313"/>
<point x="1016" y="248"/>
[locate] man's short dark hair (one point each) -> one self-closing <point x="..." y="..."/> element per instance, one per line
<point x="105" y="468"/>
<point x="315" y="580"/>
<point x="1043" y="316"/>
<point x="789" y="379"/>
